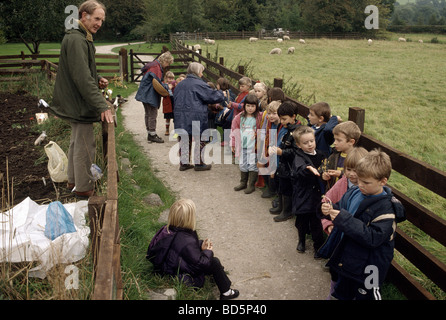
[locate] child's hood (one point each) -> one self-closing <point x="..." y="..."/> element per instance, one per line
<point x="400" y="211"/>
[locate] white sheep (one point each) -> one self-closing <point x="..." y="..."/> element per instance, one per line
<point x="252" y="39"/>
<point x="370" y="41"/>
<point x="279" y="40"/>
<point x="420" y="41"/>
<point x="196" y="47"/>
<point x="209" y="41"/>
<point x="402" y="39"/>
<point x="302" y="41"/>
<point x="286" y="38"/>
<point x="291" y="50"/>
<point x="276" y="51"/>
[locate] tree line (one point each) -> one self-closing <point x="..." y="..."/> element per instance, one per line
<point x="420" y="12"/>
<point x="34" y="21"/>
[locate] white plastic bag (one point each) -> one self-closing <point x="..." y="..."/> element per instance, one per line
<point x="57" y="162"/>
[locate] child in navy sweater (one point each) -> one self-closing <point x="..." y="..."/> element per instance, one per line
<point x="367" y="216"/>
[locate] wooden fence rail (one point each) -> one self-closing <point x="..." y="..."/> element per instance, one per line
<point x="266" y="34"/>
<point x="418" y="171"/>
<point x="14" y="67"/>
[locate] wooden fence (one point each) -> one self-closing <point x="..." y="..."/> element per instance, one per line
<point x="104" y="226"/>
<point x="418" y="171"/>
<point x="15" y="67"/>
<point x="265" y="35"/>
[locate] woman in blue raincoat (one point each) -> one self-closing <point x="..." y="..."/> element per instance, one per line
<point x="191" y="99"/>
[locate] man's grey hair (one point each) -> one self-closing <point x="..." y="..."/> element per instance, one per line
<point x="195" y="68"/>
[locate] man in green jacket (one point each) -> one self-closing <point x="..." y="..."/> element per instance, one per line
<point x="77" y="97"/>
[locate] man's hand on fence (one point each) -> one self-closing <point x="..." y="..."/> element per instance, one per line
<point x="107" y="116"/>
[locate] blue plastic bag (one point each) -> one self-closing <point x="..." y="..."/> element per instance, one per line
<point x="58" y="221"/>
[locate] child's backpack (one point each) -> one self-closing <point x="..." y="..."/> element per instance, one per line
<point x="159" y="247"/>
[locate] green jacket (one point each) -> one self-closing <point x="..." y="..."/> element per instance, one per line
<point x="77" y="97"/>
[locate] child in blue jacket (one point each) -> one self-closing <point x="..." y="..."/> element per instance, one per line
<point x="367" y="217"/>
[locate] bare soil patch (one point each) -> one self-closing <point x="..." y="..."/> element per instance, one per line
<point x="17" y="135"/>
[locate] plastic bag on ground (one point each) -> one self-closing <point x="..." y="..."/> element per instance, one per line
<point x="58" y="221"/>
<point x="57" y="162"/>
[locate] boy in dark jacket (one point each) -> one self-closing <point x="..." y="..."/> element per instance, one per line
<point x="307" y="187"/>
<point x="367" y="217"/>
<point x="286" y="149"/>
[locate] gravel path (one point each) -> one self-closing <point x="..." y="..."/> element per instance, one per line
<point x="259" y="254"/>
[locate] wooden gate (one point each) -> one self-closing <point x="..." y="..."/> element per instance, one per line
<point x="139" y="59"/>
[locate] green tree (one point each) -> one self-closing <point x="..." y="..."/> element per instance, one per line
<point x="341" y="15"/>
<point x="34" y="21"/>
<point x="121" y="18"/>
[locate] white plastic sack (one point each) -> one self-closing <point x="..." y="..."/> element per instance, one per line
<point x="57" y="162"/>
<point x="22" y="237"/>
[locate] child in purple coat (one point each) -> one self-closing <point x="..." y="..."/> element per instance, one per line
<point x="176" y="250"/>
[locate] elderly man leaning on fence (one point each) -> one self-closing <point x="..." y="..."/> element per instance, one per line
<point x="77" y="97"/>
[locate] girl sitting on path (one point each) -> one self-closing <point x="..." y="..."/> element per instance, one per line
<point x="244" y="142"/>
<point x="176" y="250"/>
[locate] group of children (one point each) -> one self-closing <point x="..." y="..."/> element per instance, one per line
<point x="335" y="190"/>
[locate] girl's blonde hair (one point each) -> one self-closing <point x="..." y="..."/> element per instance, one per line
<point x="169" y="74"/>
<point x="167" y="57"/>
<point x="273" y="106"/>
<point x="182" y="214"/>
<point x="261" y="86"/>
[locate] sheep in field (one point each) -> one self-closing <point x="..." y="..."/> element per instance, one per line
<point x="401" y="39"/>
<point x="276" y="51"/>
<point x="370" y="41"/>
<point x="196" y="47"/>
<point x="279" y="40"/>
<point x="286" y="38"/>
<point x="210" y="41"/>
<point x="291" y="50"/>
<point x="420" y="41"/>
<point x="302" y="41"/>
<point x="252" y="39"/>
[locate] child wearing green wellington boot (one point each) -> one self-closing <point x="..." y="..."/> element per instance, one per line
<point x="243" y="142"/>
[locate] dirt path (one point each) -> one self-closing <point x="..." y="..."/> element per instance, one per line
<point x="259" y="254"/>
<point x="108" y="49"/>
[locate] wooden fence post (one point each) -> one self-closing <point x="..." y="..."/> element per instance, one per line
<point x="278" y="82"/>
<point x="357" y="115"/>
<point x="131" y="65"/>
<point x="124" y="64"/>
<point x="222" y="62"/>
<point x="241" y="69"/>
